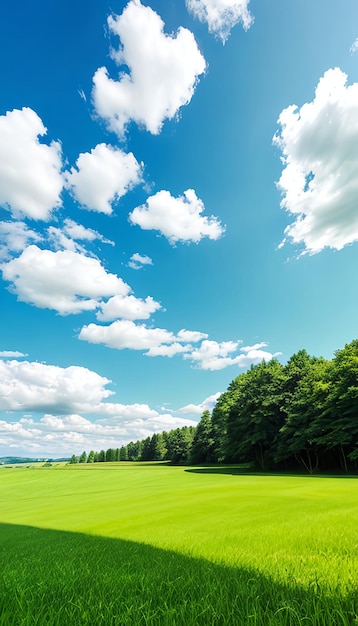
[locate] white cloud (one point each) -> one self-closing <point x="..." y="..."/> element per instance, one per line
<point x="209" y="355"/>
<point x="31" y="386"/>
<point x="30" y="172"/>
<point x="137" y="261"/>
<point x="55" y="436"/>
<point x="168" y="350"/>
<point x="101" y="177"/>
<point x="190" y="335"/>
<point x="123" y="334"/>
<point x="65" y="281"/>
<point x="319" y="182"/>
<point x="198" y="409"/>
<point x="15" y="354"/>
<point x="178" y="219"/>
<point x="128" y="308"/>
<point x="221" y="15"/>
<point x="65" y="238"/>
<point x="163" y="71"/>
<point x="14" y="237"/>
<point x="354" y="47"/>
<point x="212" y="355"/>
<point x="256" y="346"/>
<point x="113" y="411"/>
<point x="254" y="355"/>
<point x="62" y="396"/>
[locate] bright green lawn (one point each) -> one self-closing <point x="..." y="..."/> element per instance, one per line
<point x="220" y="547"/>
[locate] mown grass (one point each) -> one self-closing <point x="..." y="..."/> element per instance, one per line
<point x="118" y="545"/>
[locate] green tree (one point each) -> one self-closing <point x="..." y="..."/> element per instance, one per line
<point x="257" y="415"/>
<point x="303" y="407"/>
<point x="337" y="429"/>
<point x="146" y="454"/>
<point x="135" y="450"/>
<point x="219" y="420"/>
<point x="158" y="448"/>
<point x="90" y="458"/>
<point x="123" y="453"/>
<point x="202" y="448"/>
<point x="178" y="443"/>
<point x="83" y="457"/>
<point x="74" y="459"/>
<point x="101" y="456"/>
<point x="110" y="455"/>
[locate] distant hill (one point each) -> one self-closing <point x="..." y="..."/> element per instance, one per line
<point x="7" y="460"/>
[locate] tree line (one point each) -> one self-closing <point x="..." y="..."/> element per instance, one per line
<point x="174" y="446"/>
<point x="303" y="414"/>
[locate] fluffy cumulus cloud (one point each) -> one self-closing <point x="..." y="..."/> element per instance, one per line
<point x="163" y="71"/>
<point x="30" y="171"/>
<point x="319" y="181"/>
<point x="128" y="308"/>
<point x="123" y="334"/>
<point x="65" y="281"/>
<point x="190" y="335"/>
<point x="178" y="219"/>
<point x="32" y="386"/>
<point x="102" y="176"/>
<point x="198" y="409"/>
<point x="137" y="261"/>
<point x="252" y="355"/>
<point x="221" y="15"/>
<point x="57" y="435"/>
<point x="213" y="355"/>
<point x="61" y="397"/>
<point x="14" y="237"/>
<point x="67" y="237"/>
<point x="207" y="354"/>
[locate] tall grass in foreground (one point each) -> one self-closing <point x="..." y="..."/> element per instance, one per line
<point x="119" y="545"/>
<point x="54" y="578"/>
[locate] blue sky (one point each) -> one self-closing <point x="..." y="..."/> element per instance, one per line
<point x="178" y="200"/>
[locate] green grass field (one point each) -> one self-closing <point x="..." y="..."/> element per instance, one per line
<point x="126" y="544"/>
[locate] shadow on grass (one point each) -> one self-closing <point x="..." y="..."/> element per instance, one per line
<point x="238" y="470"/>
<point x="55" y="578"/>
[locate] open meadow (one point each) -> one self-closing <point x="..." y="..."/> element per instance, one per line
<point x="132" y="544"/>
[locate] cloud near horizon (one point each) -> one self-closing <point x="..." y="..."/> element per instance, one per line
<point x="61" y="436"/>
<point x="32" y="386"/>
<point x="198" y="409"/>
<point x="319" y="182"/>
<point x="63" y="396"/>
<point x="163" y="71"/>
